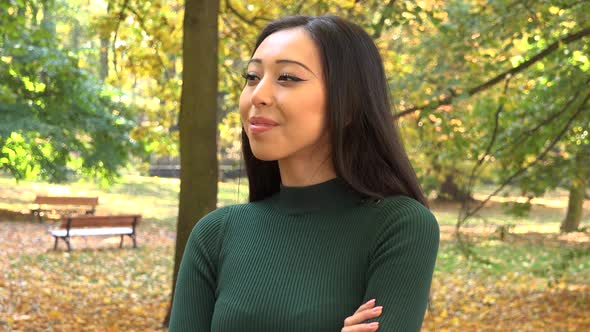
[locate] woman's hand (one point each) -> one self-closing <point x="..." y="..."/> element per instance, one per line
<point x="366" y="311"/>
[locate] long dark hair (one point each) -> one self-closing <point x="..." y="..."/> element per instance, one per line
<point x="367" y="151"/>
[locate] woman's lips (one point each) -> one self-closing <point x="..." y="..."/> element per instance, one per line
<point x="260" y="128"/>
<point x="260" y="125"/>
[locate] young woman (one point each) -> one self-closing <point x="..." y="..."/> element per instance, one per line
<point x="336" y="215"/>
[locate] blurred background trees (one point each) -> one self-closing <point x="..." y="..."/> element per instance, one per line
<point x="487" y="92"/>
<point x="56" y="116"/>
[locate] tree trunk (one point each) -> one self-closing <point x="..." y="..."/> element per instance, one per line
<point x="104" y="58"/>
<point x="450" y="191"/>
<point x="197" y="123"/>
<point x="48" y="21"/>
<point x="575" y="205"/>
<point x="75" y="36"/>
<point x="104" y="51"/>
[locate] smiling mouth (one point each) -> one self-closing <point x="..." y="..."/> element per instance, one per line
<point x="259" y="124"/>
<point x="257" y="128"/>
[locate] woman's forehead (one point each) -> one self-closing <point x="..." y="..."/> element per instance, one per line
<point x="292" y="44"/>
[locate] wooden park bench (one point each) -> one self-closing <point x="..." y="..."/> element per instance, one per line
<point x="64" y="204"/>
<point x="86" y="225"/>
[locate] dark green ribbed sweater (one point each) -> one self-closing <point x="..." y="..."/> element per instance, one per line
<point x="304" y="260"/>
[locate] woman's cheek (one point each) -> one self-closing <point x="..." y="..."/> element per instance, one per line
<point x="244" y="108"/>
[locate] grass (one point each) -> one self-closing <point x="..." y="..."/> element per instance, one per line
<point x="155" y="198"/>
<point x="571" y="263"/>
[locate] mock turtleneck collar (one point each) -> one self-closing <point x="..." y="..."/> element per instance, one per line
<point x="328" y="195"/>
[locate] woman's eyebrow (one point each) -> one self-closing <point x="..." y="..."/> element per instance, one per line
<point x="256" y="60"/>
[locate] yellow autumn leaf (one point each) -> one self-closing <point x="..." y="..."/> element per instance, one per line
<point x="53" y="314"/>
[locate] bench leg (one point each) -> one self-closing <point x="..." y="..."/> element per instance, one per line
<point x="67" y="240"/>
<point x="121" y="244"/>
<point x="132" y="236"/>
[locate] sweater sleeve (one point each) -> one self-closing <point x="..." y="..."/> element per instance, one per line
<point x="402" y="264"/>
<point x="194" y="296"/>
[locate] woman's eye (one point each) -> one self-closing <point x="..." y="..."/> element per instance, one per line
<point x="289" y="78"/>
<point x="249" y="77"/>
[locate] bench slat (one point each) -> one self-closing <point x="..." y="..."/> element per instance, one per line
<point x="66" y="200"/>
<point x="93" y="231"/>
<point x="100" y="221"/>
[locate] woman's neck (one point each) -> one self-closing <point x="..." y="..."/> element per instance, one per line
<point x="299" y="172"/>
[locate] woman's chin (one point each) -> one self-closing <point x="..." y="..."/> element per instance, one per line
<point x="265" y="155"/>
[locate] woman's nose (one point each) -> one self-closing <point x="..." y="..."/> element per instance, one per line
<point x="262" y="94"/>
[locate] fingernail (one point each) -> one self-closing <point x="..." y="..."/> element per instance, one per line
<point x="371" y="301"/>
<point x="375" y="324"/>
<point x="377" y="309"/>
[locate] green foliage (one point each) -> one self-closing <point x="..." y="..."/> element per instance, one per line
<point x="144" y="50"/>
<point x="55" y="118"/>
<point x="431" y="50"/>
<point x="507" y="125"/>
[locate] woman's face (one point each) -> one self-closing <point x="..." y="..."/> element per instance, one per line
<point x="283" y="105"/>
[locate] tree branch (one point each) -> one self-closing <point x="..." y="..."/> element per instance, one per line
<point x="378" y="28"/>
<point x="447" y="100"/>
<point x="299" y="6"/>
<point x="548" y="50"/>
<point x="490" y="144"/>
<point x="145" y="29"/>
<point x="468" y="213"/>
<point x="520" y="139"/>
<point x="462" y="246"/>
<point x="121" y="17"/>
<point x="244" y="18"/>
